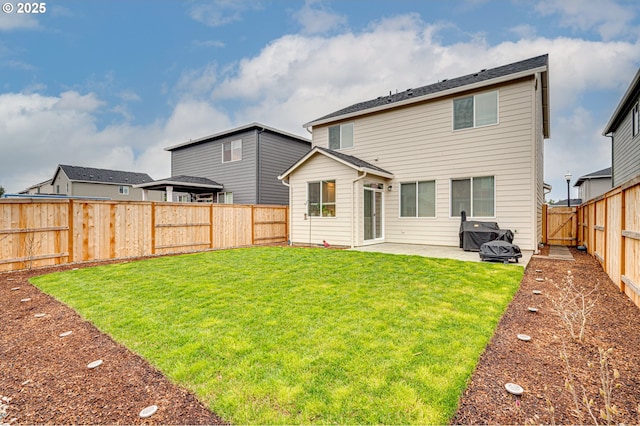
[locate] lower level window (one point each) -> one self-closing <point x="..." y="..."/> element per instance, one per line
<point x="225" y="197"/>
<point x="418" y="199"/>
<point x="322" y="198"/>
<point x="475" y="196"/>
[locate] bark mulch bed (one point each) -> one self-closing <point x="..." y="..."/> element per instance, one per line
<point x="44" y="378"/>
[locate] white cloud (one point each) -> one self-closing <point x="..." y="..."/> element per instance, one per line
<point x="208" y="43"/>
<point x="608" y="18"/>
<point x="316" y="18"/>
<point x="14" y="21"/>
<point x="216" y="13"/>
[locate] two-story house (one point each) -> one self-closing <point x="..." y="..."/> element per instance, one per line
<point x="401" y="168"/>
<point x="624" y="130"/>
<point x="237" y="166"/>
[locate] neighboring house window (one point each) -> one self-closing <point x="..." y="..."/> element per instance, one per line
<point x="475" y="111"/>
<point x="232" y="151"/>
<point x="67" y="187"/>
<point x="635" y="118"/>
<point x="123" y="190"/>
<point x="418" y="199"/>
<point x="225" y="197"/>
<point x="322" y="198"/>
<point x="475" y="195"/>
<point x="341" y="136"/>
<point x="57" y="189"/>
<point x="183" y="198"/>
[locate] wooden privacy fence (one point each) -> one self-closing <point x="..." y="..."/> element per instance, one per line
<point x="560" y="226"/>
<point x="35" y="233"/>
<point x="609" y="226"/>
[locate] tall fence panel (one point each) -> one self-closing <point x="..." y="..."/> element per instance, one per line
<point x="610" y="229"/>
<point x="46" y="232"/>
<point x="33" y="234"/>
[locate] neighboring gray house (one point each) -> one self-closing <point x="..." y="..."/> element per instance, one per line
<point x="238" y="166"/>
<point x="401" y="168"/>
<point x="594" y="184"/>
<point x="91" y="182"/>
<point x="624" y="130"/>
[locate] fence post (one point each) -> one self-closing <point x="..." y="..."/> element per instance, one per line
<point x="544" y="223"/>
<point x="253" y="223"/>
<point x="211" y="235"/>
<point x="70" y="223"/>
<point x="623" y="253"/>
<point x="153" y="227"/>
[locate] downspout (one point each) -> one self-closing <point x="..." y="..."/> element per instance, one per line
<point x="258" y="167"/>
<point x="288" y="185"/>
<point x="353" y="212"/>
<point x="610" y="135"/>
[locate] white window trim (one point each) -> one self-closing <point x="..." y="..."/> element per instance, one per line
<point x="352" y="136"/>
<point x="226" y="195"/>
<point x="123" y="190"/>
<point x="321" y="203"/>
<point x="231" y="142"/>
<point x="435" y="201"/>
<point x="474" y="111"/>
<point x="495" y="180"/>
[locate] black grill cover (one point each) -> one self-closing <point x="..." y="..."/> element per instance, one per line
<point x="500" y="250"/>
<point x="473" y="234"/>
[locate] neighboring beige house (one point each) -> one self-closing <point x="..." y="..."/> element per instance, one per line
<point x="39" y="188"/>
<point x="75" y="181"/>
<point x="594" y="184"/>
<point x="401" y="168"/>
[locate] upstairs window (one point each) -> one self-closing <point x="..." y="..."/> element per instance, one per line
<point x="475" y="111"/>
<point x="635" y="118"/>
<point x="123" y="190"/>
<point x="232" y="151"/>
<point x="341" y="136"/>
<point x="322" y="198"/>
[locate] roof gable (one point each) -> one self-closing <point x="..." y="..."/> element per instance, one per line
<point x="90" y="174"/>
<point x="347" y="160"/>
<point x="482" y="78"/>
<point x="238" y="130"/>
<point x="600" y="174"/>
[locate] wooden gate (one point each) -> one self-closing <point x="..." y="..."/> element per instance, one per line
<point x="560" y="226"/>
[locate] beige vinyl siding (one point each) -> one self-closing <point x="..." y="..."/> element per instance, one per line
<point x="87" y="189"/>
<point x="418" y="143"/>
<point x="335" y="230"/>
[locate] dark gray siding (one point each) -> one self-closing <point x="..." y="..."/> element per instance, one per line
<point x="277" y="154"/>
<point x="626" y="153"/>
<point x="205" y="160"/>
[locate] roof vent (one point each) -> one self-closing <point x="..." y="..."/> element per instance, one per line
<point x="444" y="80"/>
<point x="483" y="70"/>
<point x="475" y="75"/>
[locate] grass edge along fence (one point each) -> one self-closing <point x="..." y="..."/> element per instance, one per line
<point x="609" y="226"/>
<point x="37" y="233"/>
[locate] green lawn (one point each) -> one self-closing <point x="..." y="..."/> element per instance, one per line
<point x="296" y="335"/>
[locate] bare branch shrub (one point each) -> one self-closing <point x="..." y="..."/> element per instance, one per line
<point x="30" y="249"/>
<point x="585" y="407"/>
<point x="573" y="306"/>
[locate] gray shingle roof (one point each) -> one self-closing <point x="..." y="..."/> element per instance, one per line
<point x="353" y="160"/>
<point x="483" y="75"/>
<point x="90" y="174"/>
<point x="604" y="173"/>
<point x="190" y="179"/>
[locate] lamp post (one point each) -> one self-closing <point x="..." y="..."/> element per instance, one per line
<point x="567" y="177"/>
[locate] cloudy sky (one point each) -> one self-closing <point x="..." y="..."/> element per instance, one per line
<point x="109" y="84"/>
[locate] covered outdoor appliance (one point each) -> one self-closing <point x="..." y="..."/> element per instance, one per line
<point x="498" y="250"/>
<point x="473" y="233"/>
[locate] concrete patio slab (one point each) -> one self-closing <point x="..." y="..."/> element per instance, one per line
<point x="442" y="252"/>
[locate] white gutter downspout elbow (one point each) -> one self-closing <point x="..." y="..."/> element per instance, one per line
<point x="353" y="202"/>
